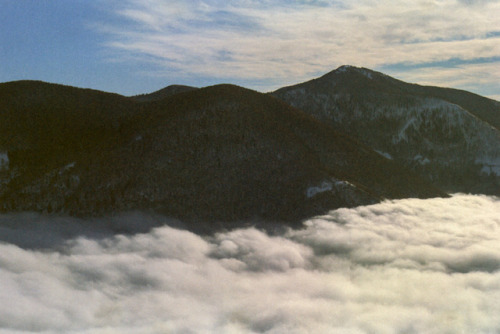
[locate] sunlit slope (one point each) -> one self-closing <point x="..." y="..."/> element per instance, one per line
<point x="449" y="137"/>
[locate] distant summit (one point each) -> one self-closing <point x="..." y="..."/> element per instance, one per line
<point x="450" y="137"/>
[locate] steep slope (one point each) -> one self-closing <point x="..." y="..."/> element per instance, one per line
<point x="46" y="128"/>
<point x="450" y="137"/>
<point x="45" y="125"/>
<point x="221" y="153"/>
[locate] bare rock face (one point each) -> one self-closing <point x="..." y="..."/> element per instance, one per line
<point x="449" y="137"/>
<point x="219" y="155"/>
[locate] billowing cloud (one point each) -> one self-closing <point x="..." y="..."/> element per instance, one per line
<point x="407" y="266"/>
<point x="273" y="43"/>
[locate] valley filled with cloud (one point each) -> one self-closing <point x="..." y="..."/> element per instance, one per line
<point x="405" y="266"/>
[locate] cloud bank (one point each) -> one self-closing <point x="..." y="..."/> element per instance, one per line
<point x="407" y="266"/>
<point x="268" y="44"/>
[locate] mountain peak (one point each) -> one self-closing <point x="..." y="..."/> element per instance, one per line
<point x="344" y="68"/>
<point x="346" y="78"/>
<point x="427" y="129"/>
<point x="349" y="69"/>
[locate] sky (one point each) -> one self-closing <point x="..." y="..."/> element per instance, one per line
<point x="405" y="266"/>
<point x="139" y="46"/>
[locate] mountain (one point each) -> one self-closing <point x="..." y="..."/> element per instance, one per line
<point x="163" y="93"/>
<point x="43" y="125"/>
<point x="218" y="155"/>
<point x="447" y="136"/>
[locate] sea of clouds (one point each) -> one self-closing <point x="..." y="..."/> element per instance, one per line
<point x="406" y="266"/>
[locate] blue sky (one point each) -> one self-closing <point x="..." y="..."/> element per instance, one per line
<point x="138" y="46"/>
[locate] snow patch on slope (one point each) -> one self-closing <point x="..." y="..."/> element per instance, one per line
<point x="366" y="73"/>
<point x="402" y="133"/>
<point x="384" y="154"/>
<point x="321" y="188"/>
<point x="343" y="69"/>
<point x="421" y="160"/>
<point x="363" y="71"/>
<point x="490" y="165"/>
<point x="4" y="161"/>
<point x="327" y="185"/>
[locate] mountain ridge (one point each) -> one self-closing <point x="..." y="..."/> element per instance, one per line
<point x="163" y="93"/>
<point x="213" y="156"/>
<point x="450" y="137"/>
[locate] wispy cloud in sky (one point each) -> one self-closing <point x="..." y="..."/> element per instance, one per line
<point x="273" y="43"/>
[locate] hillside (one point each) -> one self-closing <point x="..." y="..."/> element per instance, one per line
<point x="449" y="137"/>
<point x="218" y="155"/>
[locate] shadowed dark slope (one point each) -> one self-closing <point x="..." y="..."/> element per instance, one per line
<point x="43" y="124"/>
<point x="217" y="154"/>
<point x="163" y="93"/>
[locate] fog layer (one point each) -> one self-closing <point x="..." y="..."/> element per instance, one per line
<point x="407" y="266"/>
